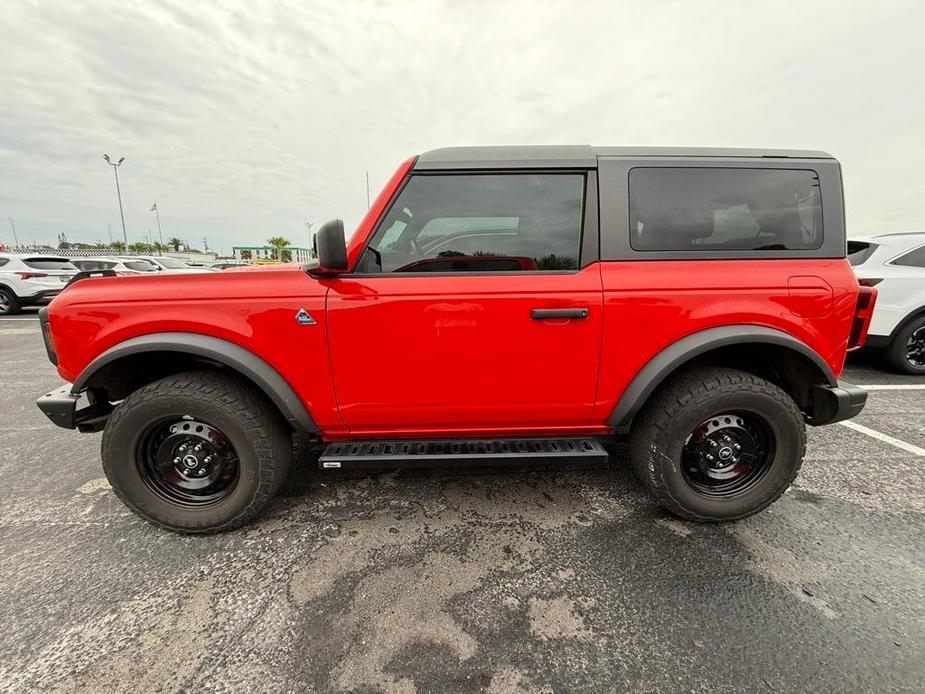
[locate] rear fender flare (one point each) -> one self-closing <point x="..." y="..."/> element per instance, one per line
<point x="677" y="354"/>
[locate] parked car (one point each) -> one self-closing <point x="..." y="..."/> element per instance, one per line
<point x="121" y="266"/>
<point x="895" y="264"/>
<point x="697" y="301"/>
<point x="168" y="264"/>
<point x="31" y="280"/>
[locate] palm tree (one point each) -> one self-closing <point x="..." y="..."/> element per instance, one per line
<point x="279" y="243"/>
<point x="175" y="243"/>
<point x="118" y="245"/>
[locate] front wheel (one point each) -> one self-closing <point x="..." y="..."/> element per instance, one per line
<point x="718" y="444"/>
<point x="197" y="452"/>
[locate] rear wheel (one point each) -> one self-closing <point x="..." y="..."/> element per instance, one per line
<point x="906" y="352"/>
<point x="718" y="444"/>
<point x="197" y="452"/>
<point x="8" y="303"/>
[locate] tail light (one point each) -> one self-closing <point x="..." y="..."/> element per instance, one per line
<point x="863" y="312"/>
<point x="31" y="275"/>
<point x="870" y="281"/>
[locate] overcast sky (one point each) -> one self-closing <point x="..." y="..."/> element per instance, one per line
<point x="245" y="122"/>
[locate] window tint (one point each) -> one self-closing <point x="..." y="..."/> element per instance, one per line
<point x="860" y="251"/>
<point x="481" y="223"/>
<point x="4" y="261"/>
<point x="702" y="209"/>
<point x="49" y="264"/>
<point x="914" y="258"/>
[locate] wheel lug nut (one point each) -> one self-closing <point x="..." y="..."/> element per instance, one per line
<point x="176" y="461"/>
<point x="709" y="457"/>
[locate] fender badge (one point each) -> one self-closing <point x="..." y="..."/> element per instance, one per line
<point x="302" y="317"/>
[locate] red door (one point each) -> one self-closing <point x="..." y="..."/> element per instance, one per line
<point x="464" y="352"/>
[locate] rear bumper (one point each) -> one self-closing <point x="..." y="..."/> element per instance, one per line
<point x="39" y="298"/>
<point x="836" y="403"/>
<point x="60" y="406"/>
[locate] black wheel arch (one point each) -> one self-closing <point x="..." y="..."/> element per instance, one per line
<point x="140" y="360"/>
<point x="911" y="316"/>
<point x="756" y="349"/>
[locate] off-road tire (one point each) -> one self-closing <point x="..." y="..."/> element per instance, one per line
<point x="245" y="417"/>
<point x="11" y="306"/>
<point x="895" y="353"/>
<point x="659" y="432"/>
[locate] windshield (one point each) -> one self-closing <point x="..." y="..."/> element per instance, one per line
<point x="140" y="265"/>
<point x="173" y="263"/>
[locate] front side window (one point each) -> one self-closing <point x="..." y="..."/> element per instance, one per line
<point x="735" y="209"/>
<point x="480" y="223"/>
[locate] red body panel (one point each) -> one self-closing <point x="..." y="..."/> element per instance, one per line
<point x="428" y="354"/>
<point x="453" y="351"/>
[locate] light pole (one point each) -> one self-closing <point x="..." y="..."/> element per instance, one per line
<point x="115" y="169"/>
<point x="15" y="238"/>
<point x="160" y="234"/>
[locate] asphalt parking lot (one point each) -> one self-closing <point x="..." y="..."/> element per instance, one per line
<point x="501" y="580"/>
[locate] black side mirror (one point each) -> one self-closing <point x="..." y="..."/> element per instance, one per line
<point x="331" y="249"/>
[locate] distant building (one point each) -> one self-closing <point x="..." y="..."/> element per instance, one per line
<point x="295" y="253"/>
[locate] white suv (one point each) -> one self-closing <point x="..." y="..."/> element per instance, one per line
<point x="31" y="280"/>
<point x="895" y="264"/>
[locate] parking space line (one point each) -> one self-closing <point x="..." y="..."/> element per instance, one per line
<point x="873" y="433"/>
<point x="892" y="386"/>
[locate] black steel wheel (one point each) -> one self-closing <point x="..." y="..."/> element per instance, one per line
<point x="727" y="453"/>
<point x="196" y="452"/>
<point x="716" y="444"/>
<point x="187" y="462"/>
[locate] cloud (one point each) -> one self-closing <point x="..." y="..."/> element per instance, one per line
<point x="244" y="120"/>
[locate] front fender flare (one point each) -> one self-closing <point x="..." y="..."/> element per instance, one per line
<point x="235" y="357"/>
<point x="675" y="355"/>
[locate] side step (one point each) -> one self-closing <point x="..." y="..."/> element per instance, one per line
<point x="437" y="452"/>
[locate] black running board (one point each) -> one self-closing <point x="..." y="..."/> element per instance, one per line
<point x="435" y="452"/>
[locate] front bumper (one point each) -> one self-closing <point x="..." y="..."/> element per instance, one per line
<point x="836" y="403"/>
<point x="60" y="406"/>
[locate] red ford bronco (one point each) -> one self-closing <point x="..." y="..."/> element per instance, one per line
<point x="496" y="304"/>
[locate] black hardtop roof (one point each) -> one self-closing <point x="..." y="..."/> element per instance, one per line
<point x="582" y="156"/>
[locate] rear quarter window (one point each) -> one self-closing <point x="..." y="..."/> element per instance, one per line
<point x="915" y="258"/>
<point x="860" y="251"/>
<point x="717" y="209"/>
